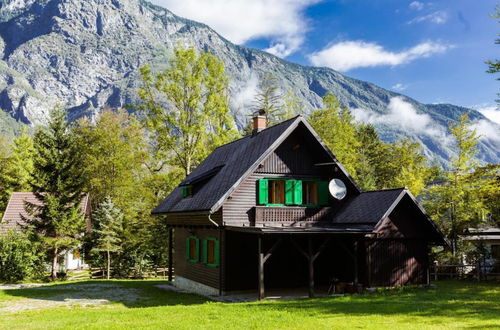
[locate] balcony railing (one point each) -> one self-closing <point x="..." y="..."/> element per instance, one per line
<point x="290" y="215"/>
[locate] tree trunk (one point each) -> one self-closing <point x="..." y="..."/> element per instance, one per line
<point x="54" y="265"/>
<point x="109" y="264"/>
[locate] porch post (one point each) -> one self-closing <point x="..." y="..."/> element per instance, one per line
<point x="260" y="261"/>
<point x="356" y="279"/>
<point x="311" y="268"/>
<point x="170" y="248"/>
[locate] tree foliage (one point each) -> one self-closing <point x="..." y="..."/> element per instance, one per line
<point x="186" y="107"/>
<point x="107" y="230"/>
<point x="20" y="257"/>
<point x="58" y="186"/>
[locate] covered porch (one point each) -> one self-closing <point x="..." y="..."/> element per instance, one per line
<point x="295" y="261"/>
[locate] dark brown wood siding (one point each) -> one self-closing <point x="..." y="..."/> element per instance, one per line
<point x="397" y="262"/>
<point x="295" y="158"/>
<point x="197" y="271"/>
<point x="193" y="218"/>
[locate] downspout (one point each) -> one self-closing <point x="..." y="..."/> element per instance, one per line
<point x="210" y="219"/>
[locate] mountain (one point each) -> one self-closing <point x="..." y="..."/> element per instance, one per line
<point x="85" y="55"/>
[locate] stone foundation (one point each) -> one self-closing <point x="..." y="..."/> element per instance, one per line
<point x="195" y="287"/>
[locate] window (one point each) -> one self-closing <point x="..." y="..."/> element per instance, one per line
<point x="276" y="192"/>
<point x="310" y="192"/>
<point x="193" y="249"/>
<point x="211" y="252"/>
<point x="187" y="191"/>
<point x="293" y="192"/>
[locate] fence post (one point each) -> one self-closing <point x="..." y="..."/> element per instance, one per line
<point x="436" y="272"/>
<point x="478" y="270"/>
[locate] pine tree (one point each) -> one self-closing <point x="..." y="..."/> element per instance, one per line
<point x="4" y="182"/>
<point x="270" y="100"/>
<point x="186" y="107"/>
<point x="108" y="230"/>
<point x="57" y="184"/>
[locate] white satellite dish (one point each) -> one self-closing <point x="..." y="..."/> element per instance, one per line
<point x="337" y="189"/>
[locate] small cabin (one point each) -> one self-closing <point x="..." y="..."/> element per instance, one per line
<point x="277" y="210"/>
<point x="15" y="216"/>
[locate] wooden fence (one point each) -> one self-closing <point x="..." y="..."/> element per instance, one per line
<point x="100" y="273"/>
<point x="478" y="272"/>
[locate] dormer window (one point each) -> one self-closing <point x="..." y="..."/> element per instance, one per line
<point x="187" y="191"/>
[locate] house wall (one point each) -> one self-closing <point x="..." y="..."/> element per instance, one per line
<point x="295" y="158"/>
<point x="197" y="271"/>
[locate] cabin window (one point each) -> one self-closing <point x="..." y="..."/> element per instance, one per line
<point x="292" y="192"/>
<point x="187" y="191"/>
<point x="310" y="192"/>
<point x="193" y="249"/>
<point x="211" y="252"/>
<point x="276" y="192"/>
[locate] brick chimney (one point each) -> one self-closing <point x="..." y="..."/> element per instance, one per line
<point x="259" y="121"/>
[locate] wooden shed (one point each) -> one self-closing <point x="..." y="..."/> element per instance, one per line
<point x="258" y="214"/>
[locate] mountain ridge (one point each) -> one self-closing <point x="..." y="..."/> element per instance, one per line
<point x="88" y="53"/>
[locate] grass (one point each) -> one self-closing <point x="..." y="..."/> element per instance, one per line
<point x="140" y="304"/>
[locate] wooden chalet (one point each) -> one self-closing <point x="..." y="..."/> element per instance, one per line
<point x="257" y="214"/>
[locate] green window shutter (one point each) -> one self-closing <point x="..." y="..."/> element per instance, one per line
<point x="263" y="192"/>
<point x="323" y="193"/>
<point x="217" y="253"/>
<point x="289" y="190"/>
<point x="183" y="192"/>
<point x="205" y="251"/>
<point x="197" y="258"/>
<point x="297" y="192"/>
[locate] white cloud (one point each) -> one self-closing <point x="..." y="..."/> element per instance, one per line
<point x="437" y="17"/>
<point x="404" y="116"/>
<point x="244" y="98"/>
<point x="399" y="87"/>
<point x="488" y="131"/>
<point x="281" y="21"/>
<point x="416" y="5"/>
<point x="491" y="112"/>
<point x="347" y="55"/>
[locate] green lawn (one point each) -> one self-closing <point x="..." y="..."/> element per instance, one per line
<point x="139" y="304"/>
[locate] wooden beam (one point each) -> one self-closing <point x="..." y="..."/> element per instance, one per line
<point x="356" y="275"/>
<point x="260" y="258"/>
<point x="170" y="248"/>
<point x="271" y="250"/>
<point x="311" y="256"/>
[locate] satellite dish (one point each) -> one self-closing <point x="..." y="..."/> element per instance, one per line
<point x="337" y="189"/>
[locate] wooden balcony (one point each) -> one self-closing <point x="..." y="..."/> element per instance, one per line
<point x="290" y="215"/>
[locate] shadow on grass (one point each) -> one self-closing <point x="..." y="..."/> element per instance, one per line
<point x="130" y="293"/>
<point x="448" y="299"/>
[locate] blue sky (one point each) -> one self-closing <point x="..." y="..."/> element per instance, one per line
<point x="433" y="51"/>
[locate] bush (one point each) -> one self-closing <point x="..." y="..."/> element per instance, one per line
<point x="20" y="257"/>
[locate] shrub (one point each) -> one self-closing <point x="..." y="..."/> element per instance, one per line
<point x="20" y="257"/>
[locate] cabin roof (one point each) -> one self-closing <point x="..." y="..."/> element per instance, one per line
<point x="228" y="165"/>
<point x="369" y="206"/>
<point x="15" y="211"/>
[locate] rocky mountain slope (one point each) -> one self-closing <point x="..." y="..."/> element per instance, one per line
<point x="85" y="55"/>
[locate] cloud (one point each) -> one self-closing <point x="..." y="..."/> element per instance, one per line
<point x="437" y="17"/>
<point x="491" y="112"/>
<point x="404" y="116"/>
<point x="347" y="55"/>
<point x="399" y="87"/>
<point x="488" y="131"/>
<point x="244" y="98"/>
<point x="417" y="5"/>
<point x="281" y="21"/>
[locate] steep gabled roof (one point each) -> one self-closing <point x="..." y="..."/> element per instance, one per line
<point x="227" y="166"/>
<point x="14" y="213"/>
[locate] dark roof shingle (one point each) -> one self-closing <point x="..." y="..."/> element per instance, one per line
<point x="368" y="207"/>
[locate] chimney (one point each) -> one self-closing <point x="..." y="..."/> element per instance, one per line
<point x="259" y="121"/>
